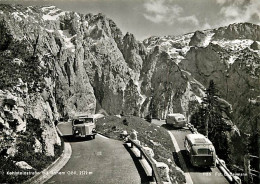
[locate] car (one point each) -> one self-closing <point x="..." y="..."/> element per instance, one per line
<point x="176" y="120"/>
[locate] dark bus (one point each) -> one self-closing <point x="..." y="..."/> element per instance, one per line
<point x="200" y="150"/>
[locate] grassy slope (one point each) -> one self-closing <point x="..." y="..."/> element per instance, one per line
<point x="148" y="133"/>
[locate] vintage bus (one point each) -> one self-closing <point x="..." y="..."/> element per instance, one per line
<point x="176" y="120"/>
<point x="84" y="126"/>
<point x="200" y="150"/>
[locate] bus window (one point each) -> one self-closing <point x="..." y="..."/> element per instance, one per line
<point x="88" y="120"/>
<point x="78" y="122"/>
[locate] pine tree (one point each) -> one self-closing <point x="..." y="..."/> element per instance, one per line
<point x="212" y="120"/>
<point x="209" y="104"/>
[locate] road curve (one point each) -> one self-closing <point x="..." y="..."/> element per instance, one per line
<point x="98" y="161"/>
<point x="198" y="175"/>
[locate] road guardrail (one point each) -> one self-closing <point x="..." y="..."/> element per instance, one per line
<point x="151" y="162"/>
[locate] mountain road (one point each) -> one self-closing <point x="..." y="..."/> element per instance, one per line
<point x="99" y="160"/>
<point x="195" y="175"/>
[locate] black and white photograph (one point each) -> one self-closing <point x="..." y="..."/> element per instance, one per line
<point x="130" y="91"/>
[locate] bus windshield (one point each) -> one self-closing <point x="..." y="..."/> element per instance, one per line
<point x="81" y="121"/>
<point x="204" y="151"/>
<point x="78" y="122"/>
<point x="180" y="119"/>
<point x="87" y="120"/>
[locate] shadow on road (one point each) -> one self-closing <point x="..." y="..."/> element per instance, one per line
<point x="144" y="178"/>
<point x="70" y="138"/>
<point x="176" y="159"/>
<point x="170" y="127"/>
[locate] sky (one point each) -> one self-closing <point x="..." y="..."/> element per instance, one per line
<point x="145" y="18"/>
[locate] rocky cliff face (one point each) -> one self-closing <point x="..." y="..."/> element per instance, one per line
<point x="90" y="64"/>
<point x="238" y="31"/>
<point x="71" y="63"/>
<point x="56" y="63"/>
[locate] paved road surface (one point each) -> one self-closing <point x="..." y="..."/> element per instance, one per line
<point x="99" y="161"/>
<point x="198" y="175"/>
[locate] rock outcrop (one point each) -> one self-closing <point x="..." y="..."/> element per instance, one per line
<point x="197" y="38"/>
<point x="255" y="46"/>
<point x="238" y="31"/>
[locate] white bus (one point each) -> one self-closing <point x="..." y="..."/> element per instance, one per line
<point x="84" y="126"/>
<point x="200" y="150"/>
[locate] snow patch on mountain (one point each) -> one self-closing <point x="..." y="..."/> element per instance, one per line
<point x="67" y="39"/>
<point x="175" y="46"/>
<point x="52" y="13"/>
<point x="185" y="49"/>
<point x="91" y="27"/>
<point x="18" y="16"/>
<point x="184" y="40"/>
<point x="52" y="17"/>
<point x="199" y="99"/>
<point x="48" y="8"/>
<point x="29" y="10"/>
<point x="208" y="39"/>
<point x="143" y="97"/>
<point x="232" y="59"/>
<point x="233" y="44"/>
<point x="168" y="42"/>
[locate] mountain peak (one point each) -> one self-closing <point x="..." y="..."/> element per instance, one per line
<point x="238" y="31"/>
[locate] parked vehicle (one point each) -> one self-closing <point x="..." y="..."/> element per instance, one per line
<point x="84" y="126"/>
<point x="200" y="150"/>
<point x="176" y="120"/>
